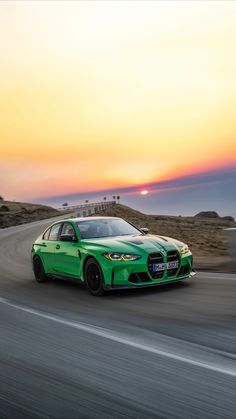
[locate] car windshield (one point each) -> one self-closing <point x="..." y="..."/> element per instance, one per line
<point x="91" y="229"/>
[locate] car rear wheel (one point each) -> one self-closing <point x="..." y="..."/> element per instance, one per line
<point x="38" y="268"/>
<point x="93" y="277"/>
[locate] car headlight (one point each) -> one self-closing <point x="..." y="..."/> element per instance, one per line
<point x="184" y="249"/>
<point x="120" y="256"/>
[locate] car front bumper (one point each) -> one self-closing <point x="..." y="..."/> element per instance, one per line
<point x="149" y="284"/>
<point x="137" y="275"/>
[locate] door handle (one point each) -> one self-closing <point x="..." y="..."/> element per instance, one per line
<point x="57" y="246"/>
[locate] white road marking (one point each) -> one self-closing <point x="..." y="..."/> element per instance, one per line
<point x="107" y="334"/>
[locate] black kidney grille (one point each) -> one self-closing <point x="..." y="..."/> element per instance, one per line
<point x="172" y="256"/>
<point x="154" y="258"/>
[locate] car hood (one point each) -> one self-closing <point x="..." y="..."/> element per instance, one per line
<point x="133" y="244"/>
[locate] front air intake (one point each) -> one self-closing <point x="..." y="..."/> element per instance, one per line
<point x="184" y="270"/>
<point x="138" y="277"/>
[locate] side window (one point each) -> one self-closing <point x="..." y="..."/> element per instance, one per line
<point x="67" y="228"/>
<point x="46" y="234"/>
<point x="53" y="235"/>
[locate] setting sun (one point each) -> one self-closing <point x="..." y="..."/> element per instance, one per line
<point x="145" y="192"/>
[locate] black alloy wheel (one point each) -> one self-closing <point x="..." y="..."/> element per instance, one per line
<point x="93" y="277"/>
<point x="38" y="269"/>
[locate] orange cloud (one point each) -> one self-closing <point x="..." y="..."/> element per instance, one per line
<point x="99" y="95"/>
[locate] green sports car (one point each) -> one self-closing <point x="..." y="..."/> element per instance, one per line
<point x="109" y="253"/>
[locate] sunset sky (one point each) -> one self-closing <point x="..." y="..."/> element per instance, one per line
<point x="108" y="95"/>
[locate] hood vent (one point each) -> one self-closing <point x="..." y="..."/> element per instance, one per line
<point x="136" y="241"/>
<point x="163" y="238"/>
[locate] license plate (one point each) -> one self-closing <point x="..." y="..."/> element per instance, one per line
<point x="172" y="265"/>
<point x="156" y="267"/>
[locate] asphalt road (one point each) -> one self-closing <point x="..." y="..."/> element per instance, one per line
<point x="167" y="352"/>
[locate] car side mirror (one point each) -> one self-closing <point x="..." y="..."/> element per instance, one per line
<point x="68" y="238"/>
<point x="144" y="230"/>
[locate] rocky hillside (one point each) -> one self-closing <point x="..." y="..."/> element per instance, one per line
<point x="204" y="233"/>
<point x="14" y="213"/>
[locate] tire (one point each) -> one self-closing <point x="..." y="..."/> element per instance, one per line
<point x="38" y="269"/>
<point x="93" y="277"/>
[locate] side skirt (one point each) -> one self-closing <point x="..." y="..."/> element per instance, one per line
<point x="66" y="277"/>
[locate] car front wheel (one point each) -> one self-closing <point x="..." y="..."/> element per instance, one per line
<point x="93" y="277"/>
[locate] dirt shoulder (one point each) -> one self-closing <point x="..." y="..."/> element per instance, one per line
<point x="15" y="213"/>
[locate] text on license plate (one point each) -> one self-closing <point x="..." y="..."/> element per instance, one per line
<point x="162" y="266"/>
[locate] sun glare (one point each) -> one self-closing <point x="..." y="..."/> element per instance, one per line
<point x="145" y="192"/>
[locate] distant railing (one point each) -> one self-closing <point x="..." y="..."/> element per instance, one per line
<point x="89" y="208"/>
